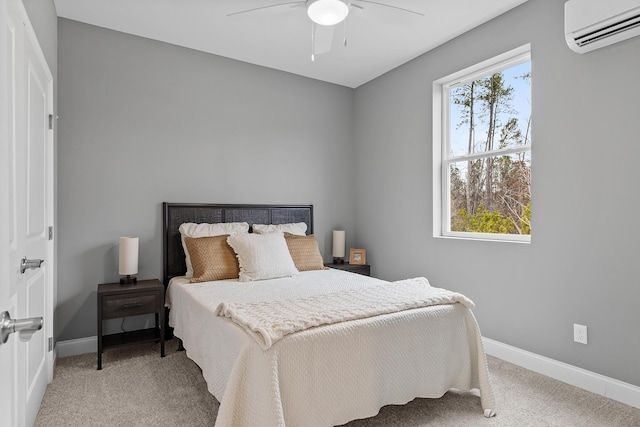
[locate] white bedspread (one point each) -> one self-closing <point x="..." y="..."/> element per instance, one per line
<point x="269" y="321"/>
<point x="327" y="375"/>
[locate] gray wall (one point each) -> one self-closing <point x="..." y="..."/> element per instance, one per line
<point x="581" y="265"/>
<point x="142" y="122"/>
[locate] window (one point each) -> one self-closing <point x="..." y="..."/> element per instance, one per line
<point x="482" y="150"/>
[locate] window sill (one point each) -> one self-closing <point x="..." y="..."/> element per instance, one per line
<point x="480" y="238"/>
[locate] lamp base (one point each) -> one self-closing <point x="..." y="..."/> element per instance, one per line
<point x="338" y="260"/>
<point x="129" y="280"/>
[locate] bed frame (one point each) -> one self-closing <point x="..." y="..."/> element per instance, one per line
<point x="174" y="214"/>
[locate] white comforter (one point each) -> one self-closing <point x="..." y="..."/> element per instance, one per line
<point x="327" y="375"/>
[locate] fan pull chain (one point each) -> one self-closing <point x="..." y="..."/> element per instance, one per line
<point x="344" y="33"/>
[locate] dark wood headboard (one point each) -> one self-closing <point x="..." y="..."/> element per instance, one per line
<point x="174" y="214"/>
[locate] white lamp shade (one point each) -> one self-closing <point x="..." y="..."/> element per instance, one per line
<point x="327" y="12"/>
<point x="338" y="243"/>
<point x="128" y="259"/>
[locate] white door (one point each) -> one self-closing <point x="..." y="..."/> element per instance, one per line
<point x="27" y="212"/>
<point x="7" y="351"/>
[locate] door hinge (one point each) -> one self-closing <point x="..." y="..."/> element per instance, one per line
<point x="51" y="233"/>
<point x="50" y="121"/>
<point x="50" y="343"/>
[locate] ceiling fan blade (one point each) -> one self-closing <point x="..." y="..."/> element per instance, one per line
<point x="389" y="14"/>
<point x="323" y="38"/>
<point x="274" y="9"/>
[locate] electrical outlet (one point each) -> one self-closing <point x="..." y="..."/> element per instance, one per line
<point x="580" y="333"/>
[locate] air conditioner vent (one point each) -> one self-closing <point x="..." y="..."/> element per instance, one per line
<point x="608" y="31"/>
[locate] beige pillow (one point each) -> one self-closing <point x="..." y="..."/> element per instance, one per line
<point x="262" y="256"/>
<point x="191" y="229"/>
<point x="212" y="258"/>
<point x="304" y="252"/>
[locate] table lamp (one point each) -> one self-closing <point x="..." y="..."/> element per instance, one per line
<point x="128" y="260"/>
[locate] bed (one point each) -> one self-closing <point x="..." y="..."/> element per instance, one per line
<point x="324" y="375"/>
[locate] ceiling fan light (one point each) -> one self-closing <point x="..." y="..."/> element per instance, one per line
<point x="327" y="12"/>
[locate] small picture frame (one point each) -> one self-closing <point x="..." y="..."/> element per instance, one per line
<point x="357" y="256"/>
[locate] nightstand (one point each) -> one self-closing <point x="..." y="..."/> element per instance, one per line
<point x="118" y="301"/>
<point x="364" y="269"/>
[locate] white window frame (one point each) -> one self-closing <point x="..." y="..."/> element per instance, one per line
<point x="441" y="115"/>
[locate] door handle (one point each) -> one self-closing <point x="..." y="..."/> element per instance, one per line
<point x="30" y="263"/>
<point x="25" y="327"/>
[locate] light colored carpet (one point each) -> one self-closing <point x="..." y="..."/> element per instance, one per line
<point x="138" y="388"/>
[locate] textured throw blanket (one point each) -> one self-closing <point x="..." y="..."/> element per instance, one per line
<point x="269" y="321"/>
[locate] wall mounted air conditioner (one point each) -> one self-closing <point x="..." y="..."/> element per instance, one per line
<point x="592" y="24"/>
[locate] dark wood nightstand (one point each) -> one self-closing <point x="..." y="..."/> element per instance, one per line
<point x="116" y="301"/>
<point x="364" y="269"/>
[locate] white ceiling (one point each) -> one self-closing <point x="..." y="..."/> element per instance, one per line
<point x="283" y="41"/>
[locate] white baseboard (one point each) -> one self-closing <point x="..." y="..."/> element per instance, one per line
<point x="609" y="387"/>
<point x="77" y="346"/>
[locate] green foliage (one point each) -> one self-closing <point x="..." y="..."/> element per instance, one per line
<point x="525" y="220"/>
<point x="484" y="221"/>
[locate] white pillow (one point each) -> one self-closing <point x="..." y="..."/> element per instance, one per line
<point x="190" y="229"/>
<point x="262" y="256"/>
<point x="297" y="228"/>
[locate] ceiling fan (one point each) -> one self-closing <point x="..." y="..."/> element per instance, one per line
<point x="326" y="14"/>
